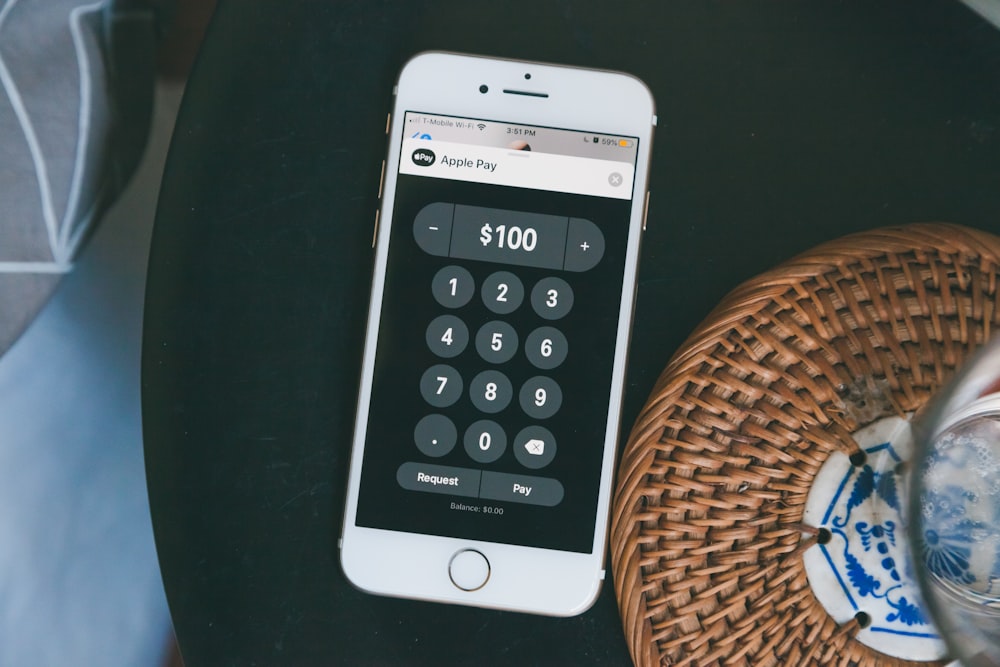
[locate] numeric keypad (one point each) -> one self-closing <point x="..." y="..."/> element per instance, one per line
<point x="496" y="343"/>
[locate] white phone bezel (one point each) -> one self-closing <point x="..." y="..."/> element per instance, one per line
<point x="412" y="565"/>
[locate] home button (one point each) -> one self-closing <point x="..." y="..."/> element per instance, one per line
<point x="469" y="570"/>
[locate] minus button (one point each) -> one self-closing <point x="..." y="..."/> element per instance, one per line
<point x="432" y="228"/>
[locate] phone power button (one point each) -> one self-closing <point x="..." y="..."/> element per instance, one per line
<point x="469" y="570"/>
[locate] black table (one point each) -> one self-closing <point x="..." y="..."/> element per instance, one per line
<point x="781" y="126"/>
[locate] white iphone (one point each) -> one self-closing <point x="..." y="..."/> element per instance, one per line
<point x="506" y="255"/>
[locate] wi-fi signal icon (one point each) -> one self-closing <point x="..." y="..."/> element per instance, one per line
<point x="481" y="126"/>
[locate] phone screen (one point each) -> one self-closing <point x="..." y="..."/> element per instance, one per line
<point x="500" y="316"/>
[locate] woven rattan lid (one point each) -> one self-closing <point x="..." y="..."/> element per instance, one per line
<point x="708" y="533"/>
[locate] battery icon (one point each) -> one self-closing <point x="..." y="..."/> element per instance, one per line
<point x="624" y="143"/>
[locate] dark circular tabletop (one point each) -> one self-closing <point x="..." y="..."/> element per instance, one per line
<point x="780" y="126"/>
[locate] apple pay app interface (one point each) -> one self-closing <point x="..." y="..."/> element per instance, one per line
<point x="492" y="374"/>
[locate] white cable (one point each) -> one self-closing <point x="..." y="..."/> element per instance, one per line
<point x="68" y="239"/>
<point x="41" y="171"/>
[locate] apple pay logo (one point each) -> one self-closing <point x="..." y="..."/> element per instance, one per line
<point x="423" y="157"/>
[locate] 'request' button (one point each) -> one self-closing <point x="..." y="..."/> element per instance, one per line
<point x="438" y="479"/>
<point x="521" y="489"/>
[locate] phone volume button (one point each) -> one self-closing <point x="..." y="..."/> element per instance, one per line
<point x="375" y="230"/>
<point x="381" y="180"/>
<point x="645" y="211"/>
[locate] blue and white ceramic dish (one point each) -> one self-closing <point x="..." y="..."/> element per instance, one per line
<point x="861" y="568"/>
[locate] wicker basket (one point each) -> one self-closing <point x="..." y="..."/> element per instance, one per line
<point x="707" y="532"/>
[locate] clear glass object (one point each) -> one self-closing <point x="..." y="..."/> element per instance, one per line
<point x="953" y="517"/>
